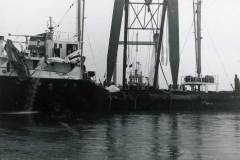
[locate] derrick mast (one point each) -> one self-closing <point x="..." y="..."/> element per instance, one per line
<point x="199" y="82"/>
<point x="198" y="35"/>
<point x="80" y="23"/>
<point x="142" y="18"/>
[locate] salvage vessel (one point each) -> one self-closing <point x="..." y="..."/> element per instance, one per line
<point x="139" y="91"/>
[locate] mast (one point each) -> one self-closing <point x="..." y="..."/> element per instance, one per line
<point x="83" y="20"/>
<point x="198" y="35"/>
<point x="49" y="39"/>
<point x="79" y="26"/>
<point x="124" y="80"/>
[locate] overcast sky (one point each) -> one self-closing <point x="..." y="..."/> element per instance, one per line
<point x="221" y="31"/>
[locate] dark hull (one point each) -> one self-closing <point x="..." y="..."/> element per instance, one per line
<point x="61" y="97"/>
<point x="51" y="95"/>
<point x="147" y="100"/>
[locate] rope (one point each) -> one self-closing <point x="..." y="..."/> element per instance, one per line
<point x="65" y="14"/>
<point x="92" y="52"/>
<point x="166" y="39"/>
<point x="147" y="64"/>
<point x="167" y="43"/>
<point x="186" y="39"/>
<point x="220" y="59"/>
<point x="165" y="78"/>
<point x="185" y="42"/>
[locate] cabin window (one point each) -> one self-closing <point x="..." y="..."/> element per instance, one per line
<point x="70" y="48"/>
<point x="56" y="52"/>
<point x="74" y="47"/>
<point x="8" y="67"/>
<point x="35" y="63"/>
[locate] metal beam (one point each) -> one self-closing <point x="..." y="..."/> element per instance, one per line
<point x="173" y="29"/>
<point x="140" y="28"/>
<point x="145" y="3"/>
<point x="79" y="26"/>
<point x="114" y="38"/>
<point x="159" y="46"/>
<point x="83" y="23"/>
<point x="124" y="78"/>
<point x="141" y="43"/>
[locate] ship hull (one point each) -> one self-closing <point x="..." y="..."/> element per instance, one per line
<point x="51" y="95"/>
<point x="61" y="96"/>
<point x="147" y="100"/>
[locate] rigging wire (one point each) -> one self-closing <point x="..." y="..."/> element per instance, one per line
<point x="92" y="52"/>
<point x="167" y="44"/>
<point x="158" y="14"/>
<point x="129" y="51"/>
<point x="217" y="52"/>
<point x="220" y="58"/>
<point x="65" y="14"/>
<point x="186" y="39"/>
<point x="163" y="73"/>
<point x="185" y="42"/>
<point x="137" y="34"/>
<point x="130" y="48"/>
<point x="147" y="65"/>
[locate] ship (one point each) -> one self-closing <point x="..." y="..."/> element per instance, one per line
<point x="48" y="74"/>
<point x="142" y="92"/>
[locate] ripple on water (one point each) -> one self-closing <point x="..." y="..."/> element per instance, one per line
<point x="129" y="136"/>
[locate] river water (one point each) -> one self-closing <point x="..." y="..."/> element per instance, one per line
<point x="135" y="136"/>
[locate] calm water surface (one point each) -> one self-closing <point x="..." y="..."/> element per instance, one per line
<point x="121" y="137"/>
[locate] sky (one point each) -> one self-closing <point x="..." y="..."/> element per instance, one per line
<point x="220" y="29"/>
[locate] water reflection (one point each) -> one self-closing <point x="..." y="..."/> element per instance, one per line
<point x="156" y="138"/>
<point x="177" y="136"/>
<point x="174" y="137"/>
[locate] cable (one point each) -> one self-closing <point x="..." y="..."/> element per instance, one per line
<point x="165" y="78"/>
<point x="220" y="59"/>
<point x="147" y="65"/>
<point x="185" y="43"/>
<point x="92" y="53"/>
<point x="163" y="73"/>
<point x="61" y="20"/>
<point x="166" y="30"/>
<point x="186" y="39"/>
<point x="167" y="43"/>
